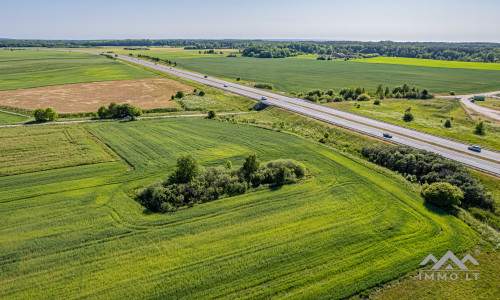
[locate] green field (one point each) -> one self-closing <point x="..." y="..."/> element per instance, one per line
<point x="32" y="68"/>
<point x="35" y="148"/>
<point x="10" y="118"/>
<point x="431" y="63"/>
<point x="430" y="116"/>
<point x="301" y="75"/>
<point x="75" y="232"/>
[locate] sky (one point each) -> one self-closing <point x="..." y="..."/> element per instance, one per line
<point x="360" y="20"/>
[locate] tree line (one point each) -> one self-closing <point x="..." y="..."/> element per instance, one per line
<point x="427" y="168"/>
<point x="479" y="52"/>
<point x="190" y="183"/>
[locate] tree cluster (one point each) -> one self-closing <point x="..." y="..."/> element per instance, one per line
<point x="45" y="114"/>
<point x="157" y="59"/>
<point x="427" y="167"/>
<point x="191" y="184"/>
<point x="118" y="111"/>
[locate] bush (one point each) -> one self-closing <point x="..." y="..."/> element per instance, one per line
<point x="480" y="128"/>
<point x="376" y="102"/>
<point x="452" y="93"/>
<point x="442" y="194"/>
<point x="179" y="95"/>
<point x="211" y="114"/>
<point x="338" y="99"/>
<point x="447" y="123"/>
<point x="408" y="117"/>
<point x="45" y="114"/>
<point x="363" y="97"/>
<point x="201" y="93"/>
<point x="266" y="86"/>
<point x="119" y="111"/>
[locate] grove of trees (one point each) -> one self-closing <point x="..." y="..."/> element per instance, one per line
<point x="45" y="114"/>
<point x="118" y="111"/>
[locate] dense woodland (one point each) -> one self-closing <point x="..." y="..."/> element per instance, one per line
<point x="481" y="52"/>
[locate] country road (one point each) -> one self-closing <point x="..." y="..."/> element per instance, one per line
<point x="487" y="112"/>
<point x="488" y="160"/>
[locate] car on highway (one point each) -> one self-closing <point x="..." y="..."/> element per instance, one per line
<point x="475" y="148"/>
<point x="263" y="98"/>
<point x="205" y="76"/>
<point x="225" y="85"/>
<point x="387" y="135"/>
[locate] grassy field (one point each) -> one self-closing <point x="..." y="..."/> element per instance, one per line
<point x="32" y="68"/>
<point x="10" y="118"/>
<point x="492" y="103"/>
<point x="301" y="75"/>
<point x="431" y="63"/>
<point x="35" y="148"/>
<point x="75" y="232"/>
<point x="430" y="116"/>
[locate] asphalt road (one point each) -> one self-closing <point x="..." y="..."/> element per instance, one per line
<point x="487" y="160"/>
<point x="487" y="112"/>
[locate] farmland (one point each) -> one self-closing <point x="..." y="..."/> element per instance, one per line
<point x="75" y="231"/>
<point x="301" y="75"/>
<point x="31" y="68"/>
<point x="431" y="63"/>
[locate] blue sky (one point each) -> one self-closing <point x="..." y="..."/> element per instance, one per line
<point x="423" y="20"/>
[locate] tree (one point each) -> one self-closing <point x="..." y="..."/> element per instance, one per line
<point x="251" y="165"/>
<point x="447" y="123"/>
<point x="452" y="93"/>
<point x="103" y="112"/>
<point x="442" y="194"/>
<point x="480" y="128"/>
<point x="408" y="117"/>
<point x="45" y="114"/>
<point x="211" y="114"/>
<point x="179" y="94"/>
<point x="187" y="169"/>
<point x="376" y="102"/>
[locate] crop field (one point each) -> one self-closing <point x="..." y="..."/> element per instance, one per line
<point x="301" y="75"/>
<point x="75" y="232"/>
<point x="431" y="63"/>
<point x="35" y="148"/>
<point x="32" y="68"/>
<point x="88" y="97"/>
<point x="10" y="118"/>
<point x="430" y="116"/>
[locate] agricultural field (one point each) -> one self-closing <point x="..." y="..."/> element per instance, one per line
<point x="36" y="148"/>
<point x="431" y="63"/>
<point x="88" y="97"/>
<point x="430" y="116"/>
<point x="11" y="118"/>
<point x="31" y="68"/>
<point x="301" y="75"/>
<point x="76" y="231"/>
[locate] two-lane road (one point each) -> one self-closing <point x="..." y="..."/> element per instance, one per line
<point x="487" y="160"/>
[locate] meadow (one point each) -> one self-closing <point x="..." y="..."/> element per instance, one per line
<point x="430" y="115"/>
<point x="301" y="75"/>
<point x="32" y="68"/>
<point x="10" y="118"/>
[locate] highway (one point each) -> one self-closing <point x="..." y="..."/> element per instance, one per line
<point x="487" y="160"/>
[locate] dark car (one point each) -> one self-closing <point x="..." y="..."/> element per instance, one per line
<point x="387" y="135"/>
<point x="475" y="148"/>
<point x="205" y="76"/>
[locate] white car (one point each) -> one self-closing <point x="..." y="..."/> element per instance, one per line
<point x="263" y="98"/>
<point x="225" y="85"/>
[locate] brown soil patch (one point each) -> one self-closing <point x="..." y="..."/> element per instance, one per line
<point x="88" y="97"/>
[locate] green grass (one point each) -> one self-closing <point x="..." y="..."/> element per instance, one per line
<point x="75" y="232"/>
<point x="35" y="148"/>
<point x="11" y="118"/>
<point x="32" y="68"/>
<point x="301" y="75"/>
<point x="430" y="116"/>
<point x="431" y="63"/>
<point x="490" y="103"/>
